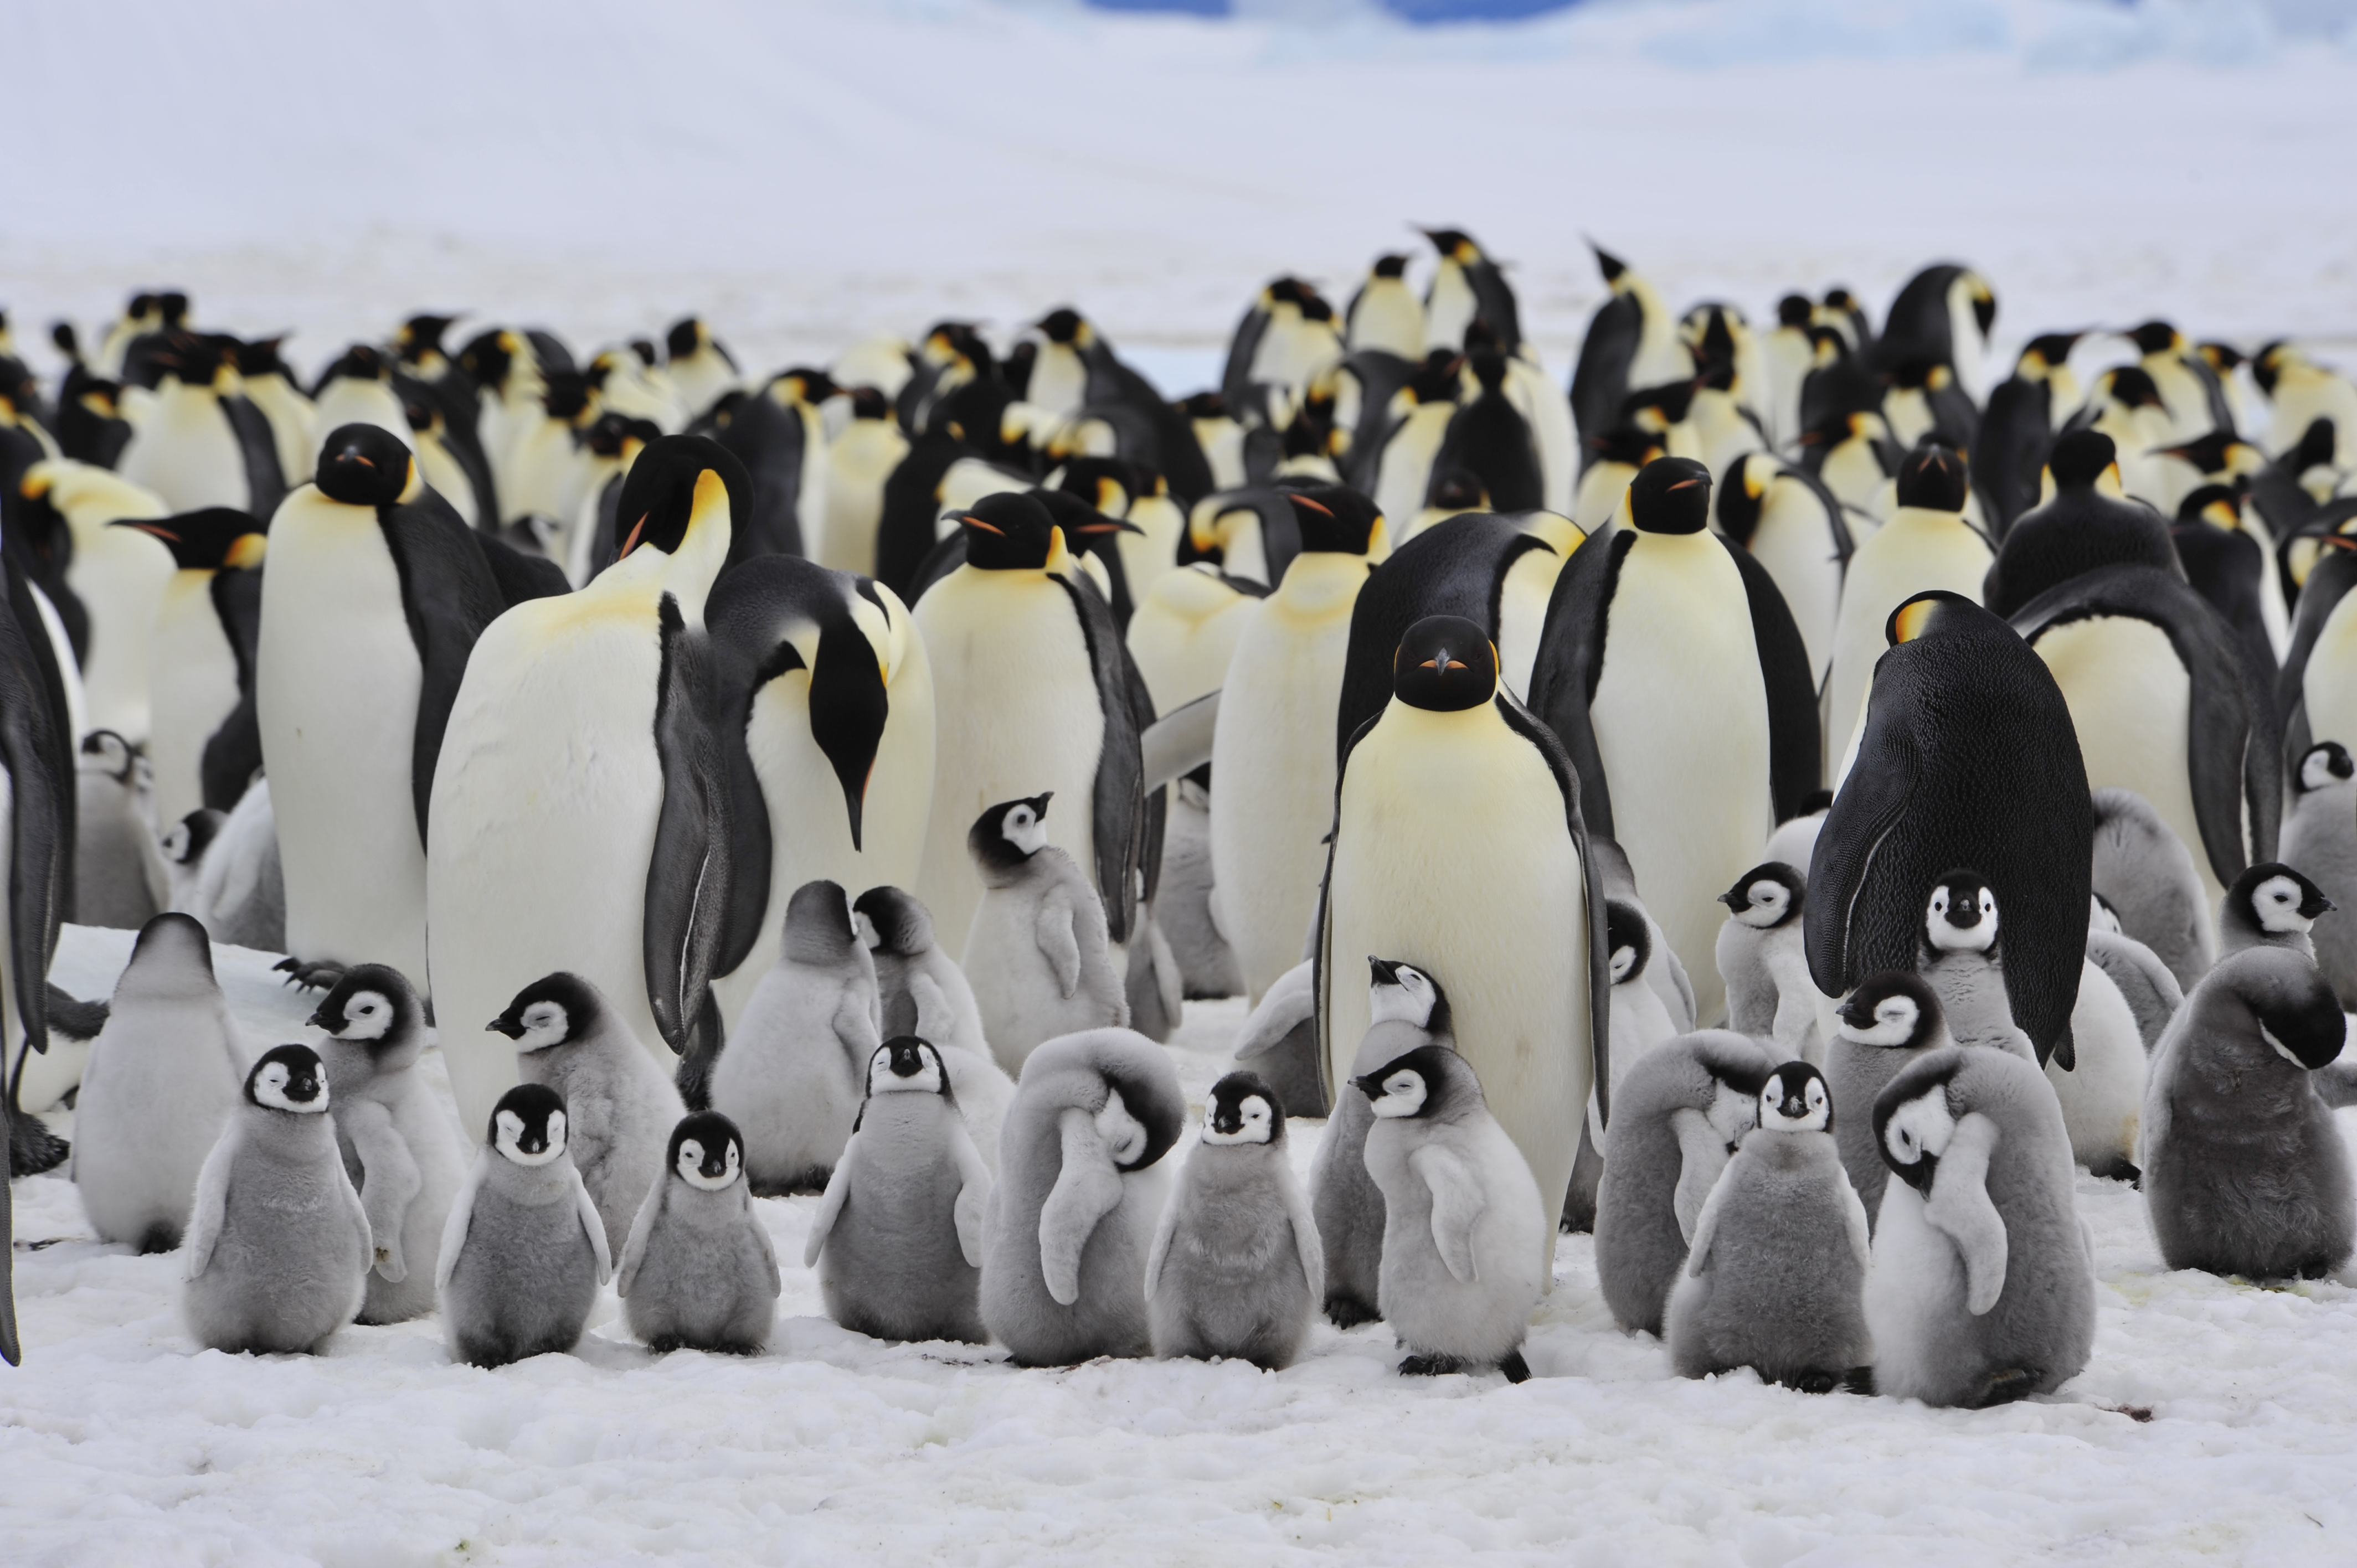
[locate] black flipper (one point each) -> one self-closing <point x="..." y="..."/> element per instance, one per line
<point x="1571" y="660"/>
<point x="1119" y="802"/>
<point x="1600" y="383"/>
<point x="265" y="482"/>
<point x="520" y="575"/>
<point x="1795" y="737"/>
<point x="38" y="867"/>
<point x="688" y="876"/>
<point x="232" y="753"/>
<point x="1871" y="802"/>
<point x="449" y="595"/>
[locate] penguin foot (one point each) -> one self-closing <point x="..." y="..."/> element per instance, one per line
<point x="2117" y="1168"/>
<point x="2004" y="1388"/>
<point x="32" y="1147"/>
<point x="323" y="975"/>
<point x="1812" y="1381"/>
<point x="1859" y="1381"/>
<point x="1517" y="1370"/>
<point x="1349" y="1311"/>
<point x="1437" y="1366"/>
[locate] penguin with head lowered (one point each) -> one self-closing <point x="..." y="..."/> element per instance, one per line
<point x="580" y="812"/>
<point x="2088" y="523"/>
<point x="1460" y="848"/>
<point x="376" y="597"/>
<point x="1674" y="677"/>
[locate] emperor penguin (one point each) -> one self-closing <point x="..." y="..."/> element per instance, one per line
<point x="1080" y="1192"/>
<point x="698" y="1272"/>
<point x="899" y="1236"/>
<point x="1406" y="1009"/>
<point x="1940" y="317"/>
<point x="2145" y="876"/>
<point x="2145" y="986"/>
<point x="2189" y="387"/>
<point x="357" y="389"/>
<point x="1465" y="1229"/>
<point x="2086" y="524"/>
<point x="1033" y="692"/>
<point x="1786" y="356"/>
<point x="394" y="1131"/>
<point x="826" y="695"/>
<point x="2244" y="1170"/>
<point x="778" y="434"/>
<point x="1983" y="1285"/>
<point x="620" y="1107"/>
<point x="278" y="1239"/>
<point x="1235" y="1268"/>
<point x="701" y="366"/>
<point x="119" y="875"/>
<point x="1386" y="313"/>
<point x="1763" y="965"/>
<point x="1632" y="342"/>
<point x="1271" y="745"/>
<point x="525" y="1248"/>
<point x="1926" y="543"/>
<point x="374" y="600"/>
<point x="1184" y="632"/>
<point x="2018" y="424"/>
<point x="1919" y="798"/>
<point x="205" y="741"/>
<point x="1682" y="1112"/>
<point x="121" y="576"/>
<point x="2319" y="835"/>
<point x="1962" y="958"/>
<point x="1792" y="526"/>
<point x="2273" y="906"/>
<point x="162" y="1081"/>
<point x="269" y="384"/>
<point x="922" y="991"/>
<point x="1889" y="1022"/>
<point x="791" y="1072"/>
<point x="1037" y="949"/>
<point x="1459" y="847"/>
<point x="1642" y="1021"/>
<point x="200" y="444"/>
<point x="1466" y="287"/>
<point x="2163" y="705"/>
<point x="1672" y="674"/>
<point x="859" y="459"/>
<point x="2299" y="391"/>
<point x="2101" y="1091"/>
<point x="1776" y="1269"/>
<point x="1417" y="421"/>
<point x="898" y="1239"/>
<point x="577" y="814"/>
<point x="2227" y="565"/>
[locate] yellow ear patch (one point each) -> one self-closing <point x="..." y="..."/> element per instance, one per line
<point x="1908" y="624"/>
<point x="247" y="550"/>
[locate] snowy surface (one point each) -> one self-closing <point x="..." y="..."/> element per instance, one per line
<point x="120" y="1443"/>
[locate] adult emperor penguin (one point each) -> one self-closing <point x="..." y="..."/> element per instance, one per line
<point x="824" y="695"/>
<point x="1270" y="742"/>
<point x="357" y="389"/>
<point x="1467" y="287"/>
<point x="1921" y="797"/>
<point x="698" y="1272"/>
<point x="2320" y="835"/>
<point x="2244" y="1172"/>
<point x="1926" y="543"/>
<point x="1632" y="342"/>
<point x="201" y="444"/>
<point x="1459" y="847"/>
<point x="1386" y="313"/>
<point x="578" y="812"/>
<point x="1942" y="316"/>
<point x="1672" y="674"/>
<point x="373" y="602"/>
<point x="205" y="744"/>
<point x="121" y="576"/>
<point x="2087" y="524"/>
<point x="1033" y="692"/>
<point x="858" y="460"/>
<point x="700" y="366"/>
<point x="777" y="433"/>
<point x="2164" y="705"/>
<point x="1983" y="1287"/>
<point x="1792" y="525"/>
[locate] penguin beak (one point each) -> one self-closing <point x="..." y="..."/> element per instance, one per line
<point x="1386" y="973"/>
<point x="319" y="1020"/>
<point x="1734" y="899"/>
<point x="1856" y="1014"/>
<point x="505" y="1023"/>
<point x="1370" y="1087"/>
<point x="848" y="709"/>
<point x="1918" y="1174"/>
<point x="1109" y="525"/>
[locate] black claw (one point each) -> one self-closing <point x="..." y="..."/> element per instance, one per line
<point x="1517" y="1370"/>
<point x="1349" y="1311"/>
<point x="1431" y="1366"/>
<point x="32" y="1147"/>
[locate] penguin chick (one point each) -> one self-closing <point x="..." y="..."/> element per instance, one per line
<point x="1407" y="1008"/>
<point x="1640" y="1021"/>
<point x="1279" y="1041"/>
<point x="1676" y="1122"/>
<point x="1080" y="1190"/>
<point x="1236" y="1268"/>
<point x="698" y="1272"/>
<point x="394" y="1133"/>
<point x="1774" y="1278"/>
<point x="277" y="1240"/>
<point x="922" y="991"/>
<point x="2273" y="906"/>
<point x="524" y="1251"/>
<point x="2145" y="873"/>
<point x="898" y="1241"/>
<point x="1465" y="1232"/>
<point x="1765" y="965"/>
<point x="1983" y="1284"/>
<point x="119" y="878"/>
<point x="2320" y="835"/>
<point x="1038" y="958"/>
<point x="2101" y="1091"/>
<point x="2244" y="1170"/>
<point x="1891" y="1020"/>
<point x="619" y="1107"/>
<point x="792" y="1071"/>
<point x="1960" y="957"/>
<point x="2143" y="982"/>
<point x="159" y="1086"/>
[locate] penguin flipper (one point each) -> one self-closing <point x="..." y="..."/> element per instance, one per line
<point x="829" y="1205"/>
<point x="1861" y="1234"/>
<point x="1599" y="382"/>
<point x="1705" y="1229"/>
<point x="1305" y="1243"/>
<point x="688" y="876"/>
<point x="1087" y="1189"/>
<point x="1458" y="1201"/>
<point x="1872" y="798"/>
<point x="1701" y="1155"/>
<point x="454" y="1230"/>
<point x="585" y="1209"/>
<point x="1058" y="943"/>
<point x="634" y="1246"/>
<point x="12" y="1349"/>
<point x="1164" y="1229"/>
<point x="1795" y="741"/>
<point x="972" y="1205"/>
<point x="1960" y="1207"/>
<point x="449" y="596"/>
<point x="1118" y="799"/>
<point x="1571" y="660"/>
<point x="210" y="1207"/>
<point x="357" y="1212"/>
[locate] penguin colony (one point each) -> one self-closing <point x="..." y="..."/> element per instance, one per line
<point x="1795" y="810"/>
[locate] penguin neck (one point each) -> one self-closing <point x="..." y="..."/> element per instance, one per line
<point x="1320" y="581"/>
<point x="1924" y="519"/>
<point x="1675" y="550"/>
<point x="1418" y="726"/>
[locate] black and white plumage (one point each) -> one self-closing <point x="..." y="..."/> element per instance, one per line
<point x="1235" y="1268"/>
<point x="698" y="1272"/>
<point x="524" y="1250"/>
<point x="1764" y="965"/>
<point x="2273" y="906"/>
<point x="2319" y="836"/>
<point x="1962" y="958"/>
<point x="1038" y="955"/>
<point x="922" y="991"/>
<point x="1889" y="1022"/>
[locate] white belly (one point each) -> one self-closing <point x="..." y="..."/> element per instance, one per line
<point x="193" y="687"/>
<point x="120" y="575"/>
<point x="337" y="684"/>
<point x="1014" y="713"/>
<point x="2330" y="681"/>
<point x="185" y="452"/>
<point x="347" y="401"/>
<point x="1680" y="722"/>
<point x="1184" y="633"/>
<point x="1916" y="552"/>
<point x="1793" y="543"/>
<point x="1404" y="473"/>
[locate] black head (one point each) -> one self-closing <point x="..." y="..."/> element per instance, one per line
<point x="1960" y="912"/>
<point x="1061" y="324"/>
<point x="1107" y="483"/>
<point x="1671" y="495"/>
<point x="1241" y="1109"/>
<point x="818" y="928"/>
<point x="2317" y="446"/>
<point x="1008" y="532"/>
<point x="290" y="1079"/>
<point x="2052" y="349"/>
<point x="1794" y="310"/>
<point x="2155" y="337"/>
<point x="1422" y="1083"/>
<point x="1796" y="1099"/>
<point x="803" y="384"/>
<point x="903" y="925"/>
<point x="359" y="362"/>
<point x="365" y="465"/>
<point x="1437" y="380"/>
<point x="1010" y="832"/>
<point x="1454" y="244"/>
<point x="2222" y="358"/>
<point x="1404" y="992"/>
<point x="2080" y="458"/>
<point x="1769" y="895"/>
<point x="1456" y="490"/>
<point x="1445" y="664"/>
<point x="373" y="1003"/>
<point x="664" y="487"/>
<point x="1333" y="517"/>
<point x="1627" y="942"/>
<point x="686" y="337"/>
<point x="1085" y="527"/>
<point x="186" y="842"/>
<point x="1893" y="1009"/>
<point x="1610" y="266"/>
<point x="529" y="1120"/>
<point x="259" y="356"/>
<point x="421" y="335"/>
<point x="1204" y="406"/>
<point x="2197" y="502"/>
<point x="1934" y="478"/>
<point x="2325" y="764"/>
<point x="1628" y="444"/>
<point x="706" y="1151"/>
<point x="567" y="394"/>
<point x="867" y="403"/>
<point x="206" y="541"/>
<point x="553" y="1011"/>
<point x="2273" y="897"/>
<point x="1391" y="266"/>
<point x="488" y="356"/>
<point x="907" y="1062"/>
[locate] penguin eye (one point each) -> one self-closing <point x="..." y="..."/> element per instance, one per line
<point x="691" y="1153"/>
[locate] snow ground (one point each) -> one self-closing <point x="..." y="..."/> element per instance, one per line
<point x="119" y="1443"/>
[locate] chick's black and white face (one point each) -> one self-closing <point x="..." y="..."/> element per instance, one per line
<point x="1124" y="1135"/>
<point x="1248" y="1121"/>
<point x="1895" y="1019"/>
<point x="367" y="1016"/>
<point x="2324" y="766"/>
<point x="1961" y="919"/>
<point x="1795" y="1102"/>
<point x="525" y="1145"/>
<point x="1916" y="1136"/>
<point x="1623" y="962"/>
<point x="1403" y="1094"/>
<point x="1769" y="901"/>
<point x="282" y="1087"/>
<point x="904" y="1067"/>
<point x="2277" y="904"/>
<point x="545" y="1024"/>
<point x="1405" y="998"/>
<point x="710" y="1171"/>
<point x="1024" y="830"/>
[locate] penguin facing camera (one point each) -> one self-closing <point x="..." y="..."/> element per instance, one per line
<point x="1889" y="1022"/>
<point x="524" y="1250"/>
<point x="1962" y="960"/>
<point x="698" y="1272"/>
<point x="924" y="992"/>
<point x="1039" y="957"/>
<point x="277" y="1240"/>
<point x="1774" y="1274"/>
<point x="898" y="1239"/>
<point x="1236" y="1268"/>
